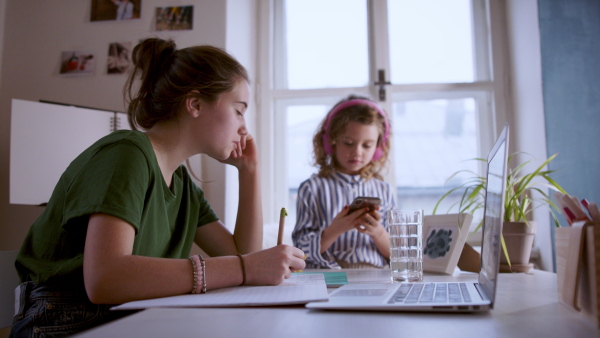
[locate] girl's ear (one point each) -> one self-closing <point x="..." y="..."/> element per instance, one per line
<point x="193" y="105"/>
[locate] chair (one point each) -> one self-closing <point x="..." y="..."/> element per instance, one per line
<point x="8" y="283"/>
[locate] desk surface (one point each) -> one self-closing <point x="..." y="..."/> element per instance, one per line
<point x="526" y="306"/>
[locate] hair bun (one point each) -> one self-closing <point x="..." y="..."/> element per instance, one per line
<point x="169" y="47"/>
<point x="152" y="53"/>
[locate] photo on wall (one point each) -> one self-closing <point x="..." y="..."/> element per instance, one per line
<point x="119" y="57"/>
<point x="77" y="63"/>
<point x="115" y="10"/>
<point x="174" y="18"/>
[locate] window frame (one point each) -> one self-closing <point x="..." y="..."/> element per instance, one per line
<point x="490" y="45"/>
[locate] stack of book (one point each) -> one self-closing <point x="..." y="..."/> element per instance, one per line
<point x="578" y="257"/>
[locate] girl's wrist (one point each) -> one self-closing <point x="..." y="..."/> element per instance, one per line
<point x="248" y="169"/>
<point x="378" y="232"/>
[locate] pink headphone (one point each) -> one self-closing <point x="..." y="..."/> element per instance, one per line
<point x="355" y="102"/>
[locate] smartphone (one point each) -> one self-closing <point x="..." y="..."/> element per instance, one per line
<point x="363" y="202"/>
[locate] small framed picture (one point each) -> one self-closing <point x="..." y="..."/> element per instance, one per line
<point x="174" y="18"/>
<point x="107" y="10"/>
<point x="119" y="57"/>
<point x="77" y="63"/>
<point x="443" y="239"/>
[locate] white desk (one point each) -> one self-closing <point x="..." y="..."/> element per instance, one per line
<point x="526" y="306"/>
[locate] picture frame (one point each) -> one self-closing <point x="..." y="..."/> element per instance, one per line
<point x="174" y="18"/>
<point x="115" y="10"/>
<point x="444" y="237"/>
<point x="119" y="57"/>
<point x="77" y="63"/>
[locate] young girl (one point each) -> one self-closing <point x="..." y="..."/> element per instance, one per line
<point x="122" y="219"/>
<point x="351" y="147"/>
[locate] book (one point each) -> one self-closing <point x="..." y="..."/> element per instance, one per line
<point x="578" y="268"/>
<point x="298" y="289"/>
<point x="333" y="279"/>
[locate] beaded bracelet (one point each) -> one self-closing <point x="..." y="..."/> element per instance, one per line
<point x="243" y="269"/>
<point x="198" y="273"/>
<point x="203" y="274"/>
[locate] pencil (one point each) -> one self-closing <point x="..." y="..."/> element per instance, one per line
<point x="281" y="226"/>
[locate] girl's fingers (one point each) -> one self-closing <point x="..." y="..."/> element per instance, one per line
<point x="243" y="141"/>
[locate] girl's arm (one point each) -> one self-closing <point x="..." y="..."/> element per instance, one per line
<point x="113" y="275"/>
<point x="307" y="230"/>
<point x="248" y="233"/>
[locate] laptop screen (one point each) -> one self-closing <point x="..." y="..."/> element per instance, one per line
<point x="493" y="214"/>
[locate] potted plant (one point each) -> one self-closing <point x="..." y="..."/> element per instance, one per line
<point x="518" y="228"/>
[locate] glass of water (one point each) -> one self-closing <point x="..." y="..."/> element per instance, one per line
<point x="406" y="248"/>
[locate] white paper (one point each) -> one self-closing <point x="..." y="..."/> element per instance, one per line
<point x="44" y="139"/>
<point x="298" y="289"/>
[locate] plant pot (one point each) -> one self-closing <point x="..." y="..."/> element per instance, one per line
<point x="518" y="237"/>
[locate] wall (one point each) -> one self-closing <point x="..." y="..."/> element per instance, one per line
<point x="35" y="32"/>
<point x="527" y="130"/>
<point x="241" y="33"/>
<point x="570" y="50"/>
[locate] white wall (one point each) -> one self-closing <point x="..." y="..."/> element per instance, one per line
<point x="38" y="31"/>
<point x="241" y="31"/>
<point x="35" y="32"/>
<point x="528" y="127"/>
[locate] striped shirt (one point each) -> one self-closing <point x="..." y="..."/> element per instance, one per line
<point x="320" y="199"/>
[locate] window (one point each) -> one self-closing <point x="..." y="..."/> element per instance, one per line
<point x="439" y="90"/>
<point x="320" y="41"/>
<point x="431" y="41"/>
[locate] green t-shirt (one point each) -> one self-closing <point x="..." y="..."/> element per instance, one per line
<point x="119" y="176"/>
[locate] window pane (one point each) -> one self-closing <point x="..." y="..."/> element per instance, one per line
<point x="430" y="41"/>
<point x="432" y="140"/>
<point x="326" y="44"/>
<point x="302" y="123"/>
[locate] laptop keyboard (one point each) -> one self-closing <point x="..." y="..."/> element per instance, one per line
<point x="417" y="293"/>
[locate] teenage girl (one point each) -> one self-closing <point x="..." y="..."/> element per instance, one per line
<point x="351" y="147"/>
<point x="123" y="217"/>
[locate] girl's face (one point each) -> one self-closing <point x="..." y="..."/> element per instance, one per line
<point x="224" y="123"/>
<point x="355" y="146"/>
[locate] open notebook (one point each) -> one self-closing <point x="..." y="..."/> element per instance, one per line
<point x="440" y="297"/>
<point x="298" y="289"/>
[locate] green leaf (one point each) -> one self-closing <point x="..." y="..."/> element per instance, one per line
<point x="518" y="201"/>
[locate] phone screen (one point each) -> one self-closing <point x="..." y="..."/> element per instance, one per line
<point x="363" y="202"/>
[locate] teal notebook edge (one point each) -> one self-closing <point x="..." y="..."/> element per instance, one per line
<point x="332" y="279"/>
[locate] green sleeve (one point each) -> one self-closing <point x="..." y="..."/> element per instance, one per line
<point x="114" y="181"/>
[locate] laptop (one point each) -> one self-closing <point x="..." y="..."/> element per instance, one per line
<point x="442" y="296"/>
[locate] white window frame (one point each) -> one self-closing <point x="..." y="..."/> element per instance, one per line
<point x="271" y="126"/>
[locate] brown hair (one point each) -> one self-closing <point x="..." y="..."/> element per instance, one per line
<point x="326" y="163"/>
<point x="169" y="76"/>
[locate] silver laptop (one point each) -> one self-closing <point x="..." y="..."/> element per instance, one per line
<point x="442" y="296"/>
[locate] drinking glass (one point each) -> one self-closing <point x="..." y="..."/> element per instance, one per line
<point x="406" y="244"/>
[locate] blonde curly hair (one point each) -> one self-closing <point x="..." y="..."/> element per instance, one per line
<point x="361" y="113"/>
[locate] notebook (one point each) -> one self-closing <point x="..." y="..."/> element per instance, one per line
<point x="437" y="296"/>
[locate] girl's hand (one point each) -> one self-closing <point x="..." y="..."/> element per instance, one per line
<point x="344" y="221"/>
<point x="272" y="266"/>
<point x="245" y="156"/>
<point x="371" y="224"/>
